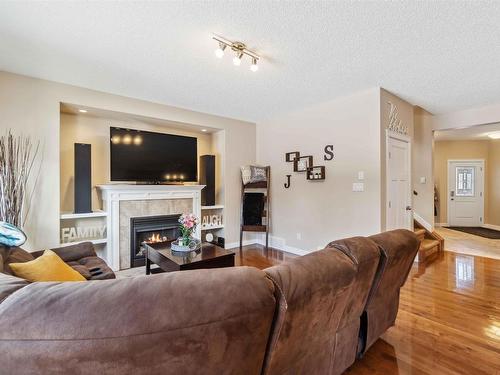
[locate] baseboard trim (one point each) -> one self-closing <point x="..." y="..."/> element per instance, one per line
<point x="274" y="242"/>
<point x="423" y="222"/>
<point x="441" y="224"/>
<point x="234" y="245"/>
<point x="491" y="226"/>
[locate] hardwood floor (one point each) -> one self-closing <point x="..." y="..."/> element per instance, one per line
<point x="448" y="321"/>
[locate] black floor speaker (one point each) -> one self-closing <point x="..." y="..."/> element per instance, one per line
<point x="207" y="178"/>
<point x="83" y="183"/>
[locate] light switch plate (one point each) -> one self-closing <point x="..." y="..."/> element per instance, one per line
<point x="361" y="175"/>
<point x="358" y="186"/>
<point x="423" y="180"/>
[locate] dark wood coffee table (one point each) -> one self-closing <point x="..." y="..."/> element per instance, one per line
<point x="209" y="256"/>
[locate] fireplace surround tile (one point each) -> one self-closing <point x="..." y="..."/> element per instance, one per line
<point x="139" y="208"/>
<point x="123" y="201"/>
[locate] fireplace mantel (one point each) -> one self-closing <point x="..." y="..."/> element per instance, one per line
<point x="113" y="194"/>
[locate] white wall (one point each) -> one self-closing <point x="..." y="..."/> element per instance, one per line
<point x="328" y="210"/>
<point x="29" y="105"/>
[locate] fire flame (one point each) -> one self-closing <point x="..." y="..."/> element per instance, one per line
<point x="156" y="238"/>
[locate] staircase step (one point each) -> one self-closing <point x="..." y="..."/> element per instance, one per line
<point x="428" y="247"/>
<point x="420" y="233"/>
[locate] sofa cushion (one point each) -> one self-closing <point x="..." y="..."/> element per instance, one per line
<point x="82" y="257"/>
<point x="312" y="292"/>
<point x="13" y="255"/>
<point x="366" y="256"/>
<point x="399" y="248"/>
<point x="214" y="321"/>
<point x="9" y="284"/>
<point x="48" y="267"/>
<point x="84" y="265"/>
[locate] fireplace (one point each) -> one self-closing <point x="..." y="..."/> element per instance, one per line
<point x="150" y="229"/>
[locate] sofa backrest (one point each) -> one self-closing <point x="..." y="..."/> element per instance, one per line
<point x="399" y="248"/>
<point x="13" y="255"/>
<point x="366" y="256"/>
<point x="214" y="321"/>
<point x="72" y="253"/>
<point x="312" y="292"/>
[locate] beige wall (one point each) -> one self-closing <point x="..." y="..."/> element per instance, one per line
<point x="493" y="171"/>
<point x="95" y="131"/>
<point x="448" y="150"/>
<point x="423" y="166"/>
<point x="323" y="211"/>
<point x="29" y="105"/>
<point x="488" y="114"/>
<point x="405" y="114"/>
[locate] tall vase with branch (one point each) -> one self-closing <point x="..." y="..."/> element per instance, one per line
<point x="17" y="158"/>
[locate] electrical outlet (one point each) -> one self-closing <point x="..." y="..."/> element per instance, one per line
<point x="358" y="186"/>
<point x="299" y="236"/>
<point x="361" y="175"/>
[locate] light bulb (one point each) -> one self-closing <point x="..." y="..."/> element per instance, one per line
<point x="237" y="59"/>
<point x="127" y="139"/>
<point x="254" y="67"/>
<point x="219" y="52"/>
<point x="137" y="140"/>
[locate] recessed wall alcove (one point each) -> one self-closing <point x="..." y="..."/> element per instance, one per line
<point x="93" y="127"/>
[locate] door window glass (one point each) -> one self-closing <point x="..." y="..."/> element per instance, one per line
<point x="465" y="181"/>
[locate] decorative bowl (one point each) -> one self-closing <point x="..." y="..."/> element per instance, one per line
<point x="194" y="244"/>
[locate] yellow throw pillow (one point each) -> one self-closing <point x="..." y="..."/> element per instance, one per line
<point x="47" y="267"/>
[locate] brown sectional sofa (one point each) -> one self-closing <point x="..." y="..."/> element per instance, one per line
<point x="82" y="257"/>
<point x="312" y="315"/>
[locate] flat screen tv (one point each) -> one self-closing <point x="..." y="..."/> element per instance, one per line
<point x="144" y="156"/>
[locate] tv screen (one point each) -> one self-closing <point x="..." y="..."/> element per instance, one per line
<point x="143" y="156"/>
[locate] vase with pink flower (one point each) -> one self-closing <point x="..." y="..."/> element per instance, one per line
<point x="188" y="223"/>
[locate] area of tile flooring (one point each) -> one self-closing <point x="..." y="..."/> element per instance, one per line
<point x="464" y="243"/>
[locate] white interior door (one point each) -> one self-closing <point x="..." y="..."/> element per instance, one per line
<point x="465" y="193"/>
<point x="399" y="214"/>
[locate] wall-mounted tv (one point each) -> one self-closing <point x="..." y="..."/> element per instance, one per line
<point x="144" y="156"/>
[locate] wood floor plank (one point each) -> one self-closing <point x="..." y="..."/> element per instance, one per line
<point x="448" y="321"/>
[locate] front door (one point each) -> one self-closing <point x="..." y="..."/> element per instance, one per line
<point x="465" y="193"/>
<point x="399" y="214"/>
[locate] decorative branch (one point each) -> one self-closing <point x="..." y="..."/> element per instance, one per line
<point x="17" y="158"/>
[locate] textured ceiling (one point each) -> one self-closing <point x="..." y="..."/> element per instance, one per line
<point x="474" y="133"/>
<point x="442" y="56"/>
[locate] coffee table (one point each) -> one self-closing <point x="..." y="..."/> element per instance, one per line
<point x="208" y="256"/>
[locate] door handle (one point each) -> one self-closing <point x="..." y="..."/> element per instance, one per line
<point x="408" y="208"/>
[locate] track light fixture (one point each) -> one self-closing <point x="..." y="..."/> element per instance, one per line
<point x="219" y="52"/>
<point x="237" y="59"/>
<point x="239" y="49"/>
<point x="254" y="67"/>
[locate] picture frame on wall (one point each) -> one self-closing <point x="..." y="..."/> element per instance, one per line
<point x="301" y="163"/>
<point x="291" y="156"/>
